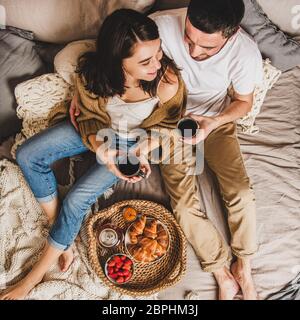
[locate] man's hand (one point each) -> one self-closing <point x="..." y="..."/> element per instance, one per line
<point x="206" y="124"/>
<point x="74" y="110"/>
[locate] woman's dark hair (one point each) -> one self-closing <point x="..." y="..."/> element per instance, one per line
<point x="212" y="16"/>
<point x="103" y="70"/>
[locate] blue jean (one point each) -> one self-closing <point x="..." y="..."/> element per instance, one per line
<point x="35" y="157"/>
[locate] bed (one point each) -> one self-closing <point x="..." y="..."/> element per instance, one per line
<point x="272" y="160"/>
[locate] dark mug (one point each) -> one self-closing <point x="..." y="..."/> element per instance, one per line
<point x="130" y="166"/>
<point x="188" y="127"/>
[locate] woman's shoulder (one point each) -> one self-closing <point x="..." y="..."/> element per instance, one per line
<point x="168" y="86"/>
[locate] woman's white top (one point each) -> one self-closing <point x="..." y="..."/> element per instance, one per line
<point x="127" y="116"/>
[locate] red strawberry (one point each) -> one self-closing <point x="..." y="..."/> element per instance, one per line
<point x="111" y="263"/>
<point x="129" y="262"/>
<point x="121" y="273"/>
<point x="126" y="267"/>
<point x="120" y="280"/>
<point x="126" y="272"/>
<point x="110" y="270"/>
<point x="127" y="278"/>
<point x="119" y="264"/>
<point x="123" y="258"/>
<point x="117" y="259"/>
<point x="113" y="275"/>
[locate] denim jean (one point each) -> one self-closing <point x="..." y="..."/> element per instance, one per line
<point x="35" y="157"/>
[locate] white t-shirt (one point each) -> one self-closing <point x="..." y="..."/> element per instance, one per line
<point x="238" y="63"/>
<point x="127" y="116"/>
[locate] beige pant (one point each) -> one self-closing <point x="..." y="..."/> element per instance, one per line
<point x="223" y="156"/>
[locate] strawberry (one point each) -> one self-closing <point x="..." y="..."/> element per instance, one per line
<point x="127" y="278"/>
<point x="126" y="272"/>
<point x="111" y="263"/>
<point x="110" y="270"/>
<point x="126" y="267"/>
<point x="129" y="262"/>
<point x="123" y="258"/>
<point x="121" y="273"/>
<point x="119" y="264"/>
<point x="117" y="259"/>
<point x="113" y="275"/>
<point x="120" y="280"/>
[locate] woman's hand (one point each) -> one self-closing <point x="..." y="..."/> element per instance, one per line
<point x="108" y="157"/>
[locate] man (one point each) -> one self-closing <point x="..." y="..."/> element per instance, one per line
<point x="213" y="53"/>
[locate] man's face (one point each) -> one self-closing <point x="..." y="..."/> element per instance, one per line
<point x="202" y="45"/>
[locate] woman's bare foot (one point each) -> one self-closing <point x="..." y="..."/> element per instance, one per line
<point x="228" y="287"/>
<point x="20" y="290"/>
<point x="66" y="259"/>
<point x="241" y="271"/>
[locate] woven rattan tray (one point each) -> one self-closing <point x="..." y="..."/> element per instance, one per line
<point x="148" y="278"/>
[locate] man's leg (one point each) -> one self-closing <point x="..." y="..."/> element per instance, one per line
<point x="206" y="240"/>
<point x="223" y="155"/>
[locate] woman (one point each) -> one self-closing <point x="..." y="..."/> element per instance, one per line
<point x="127" y="80"/>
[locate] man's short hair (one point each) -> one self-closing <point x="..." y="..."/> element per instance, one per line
<point x="210" y="16"/>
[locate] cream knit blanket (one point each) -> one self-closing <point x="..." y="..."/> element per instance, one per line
<point x="23" y="231"/>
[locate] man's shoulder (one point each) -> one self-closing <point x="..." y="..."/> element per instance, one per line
<point x="246" y="45"/>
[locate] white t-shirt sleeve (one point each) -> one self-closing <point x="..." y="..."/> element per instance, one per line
<point x="162" y="23"/>
<point x="247" y="73"/>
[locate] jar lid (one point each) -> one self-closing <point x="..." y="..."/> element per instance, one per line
<point x="108" y="237"/>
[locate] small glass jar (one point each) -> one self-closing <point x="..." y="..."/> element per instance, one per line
<point x="109" y="236"/>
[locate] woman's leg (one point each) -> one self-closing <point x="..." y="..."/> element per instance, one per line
<point x="35" y="157"/>
<point x="22" y="288"/>
<point x="67" y="225"/>
<point x="37" y="154"/>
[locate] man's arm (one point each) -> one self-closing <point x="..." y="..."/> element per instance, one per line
<point x="239" y="107"/>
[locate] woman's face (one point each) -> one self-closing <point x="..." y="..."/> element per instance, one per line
<point x="145" y="61"/>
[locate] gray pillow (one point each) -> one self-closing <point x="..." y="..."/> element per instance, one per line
<point x="283" y="51"/>
<point x="19" y="61"/>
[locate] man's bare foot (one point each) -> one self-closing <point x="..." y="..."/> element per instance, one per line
<point x="241" y="271"/>
<point x="20" y="290"/>
<point x="228" y="287"/>
<point x="66" y="259"/>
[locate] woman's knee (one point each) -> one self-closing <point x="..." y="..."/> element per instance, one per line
<point x="23" y="155"/>
<point x="75" y="204"/>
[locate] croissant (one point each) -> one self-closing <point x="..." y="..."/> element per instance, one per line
<point x="142" y="255"/>
<point x="137" y="229"/>
<point x="145" y="242"/>
<point x="163" y="239"/>
<point x="139" y="225"/>
<point x="150" y="230"/>
<point x="160" y="250"/>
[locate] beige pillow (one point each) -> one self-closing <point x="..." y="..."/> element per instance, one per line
<point x="271" y="75"/>
<point x="284" y="13"/>
<point x="66" y="60"/>
<point x="60" y="21"/>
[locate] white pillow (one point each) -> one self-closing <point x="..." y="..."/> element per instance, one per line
<point x="60" y="21"/>
<point x="284" y="13"/>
